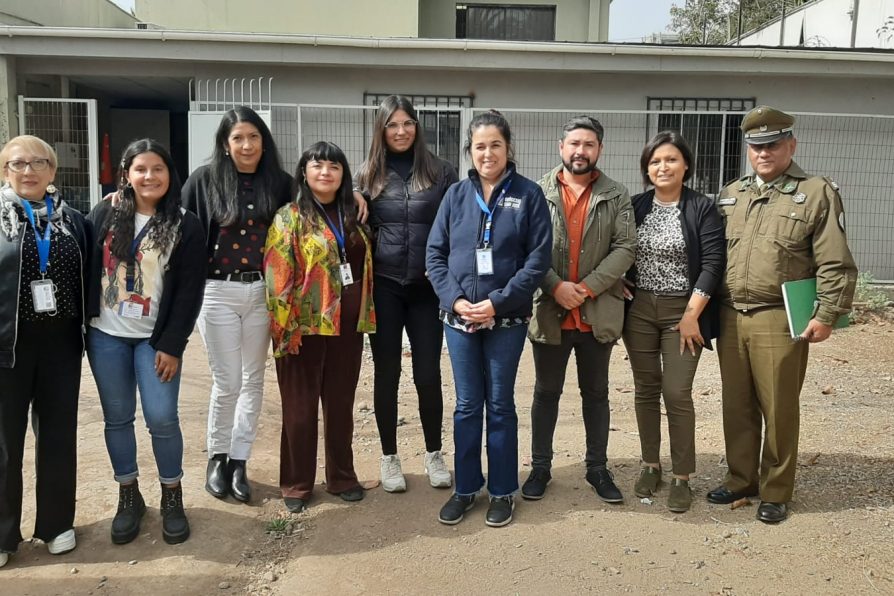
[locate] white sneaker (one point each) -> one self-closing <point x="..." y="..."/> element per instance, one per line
<point x="393" y="480"/>
<point x="4" y="559"/>
<point x="63" y="543"/>
<point x="436" y="468"/>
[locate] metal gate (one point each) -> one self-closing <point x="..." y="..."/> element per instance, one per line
<point x="70" y="127"/>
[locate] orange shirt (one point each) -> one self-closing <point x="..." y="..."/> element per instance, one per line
<point x="575" y="207"/>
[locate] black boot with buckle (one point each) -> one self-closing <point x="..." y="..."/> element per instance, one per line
<point x="175" y="526"/>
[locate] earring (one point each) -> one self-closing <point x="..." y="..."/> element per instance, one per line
<point x="51" y="189"/>
<point x="226" y="152"/>
<point x="128" y="185"/>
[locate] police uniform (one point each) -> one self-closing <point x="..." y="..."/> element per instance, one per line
<point x="787" y="229"/>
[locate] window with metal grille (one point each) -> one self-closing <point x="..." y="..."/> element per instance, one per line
<point x="515" y="22"/>
<point x="715" y="138"/>
<point x="442" y="128"/>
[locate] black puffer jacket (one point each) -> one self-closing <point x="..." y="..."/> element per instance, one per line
<point x="401" y="219"/>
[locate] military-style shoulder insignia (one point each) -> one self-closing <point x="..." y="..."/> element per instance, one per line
<point x="833" y="184"/>
<point x="727" y="201"/>
<point x="799" y="197"/>
<point x="789" y="186"/>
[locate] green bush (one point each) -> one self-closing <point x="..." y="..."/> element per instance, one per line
<point x="868" y="295"/>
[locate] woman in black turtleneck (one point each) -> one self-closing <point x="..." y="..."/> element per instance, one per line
<point x="405" y="183"/>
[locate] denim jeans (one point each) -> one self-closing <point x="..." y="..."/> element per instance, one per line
<point x="120" y="365"/>
<point x="236" y="331"/>
<point x="485" y="364"/>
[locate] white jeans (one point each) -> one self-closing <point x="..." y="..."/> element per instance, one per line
<point x="236" y="332"/>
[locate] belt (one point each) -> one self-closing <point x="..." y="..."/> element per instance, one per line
<point x="681" y="294"/>
<point x="245" y="277"/>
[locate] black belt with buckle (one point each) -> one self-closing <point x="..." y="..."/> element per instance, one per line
<point x="245" y="277"/>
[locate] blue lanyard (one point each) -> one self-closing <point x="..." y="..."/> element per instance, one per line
<point x="131" y="266"/>
<point x="43" y="244"/>
<point x="339" y="232"/>
<point x="488" y="223"/>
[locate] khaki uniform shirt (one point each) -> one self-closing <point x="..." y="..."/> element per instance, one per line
<point x="792" y="229"/>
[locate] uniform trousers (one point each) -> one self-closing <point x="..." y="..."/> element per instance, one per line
<point x="660" y="370"/>
<point x="46" y="377"/>
<point x="326" y="369"/>
<point x="762" y="370"/>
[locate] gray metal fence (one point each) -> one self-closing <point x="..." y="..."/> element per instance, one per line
<point x="855" y="150"/>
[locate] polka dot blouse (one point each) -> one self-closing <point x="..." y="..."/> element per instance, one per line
<point x="64" y="269"/>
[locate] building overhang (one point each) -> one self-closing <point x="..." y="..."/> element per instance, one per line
<point x="190" y="47"/>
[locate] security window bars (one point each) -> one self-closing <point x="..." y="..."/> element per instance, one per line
<point x="514" y="22"/>
<point x="715" y="137"/>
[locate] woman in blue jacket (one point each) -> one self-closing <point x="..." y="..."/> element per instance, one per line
<point x="487" y="252"/>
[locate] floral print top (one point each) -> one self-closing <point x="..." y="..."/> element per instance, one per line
<point x="301" y="265"/>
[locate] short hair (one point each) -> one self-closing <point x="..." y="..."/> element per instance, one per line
<point x="491" y="118"/>
<point x="665" y="137"/>
<point x="31" y="144"/>
<point x="585" y="122"/>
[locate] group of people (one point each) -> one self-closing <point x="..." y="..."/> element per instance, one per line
<point x="316" y="260"/>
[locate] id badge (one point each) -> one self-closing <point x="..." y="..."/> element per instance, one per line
<point x="130" y="310"/>
<point x="346" y="277"/>
<point x="43" y="293"/>
<point x="484" y="257"/>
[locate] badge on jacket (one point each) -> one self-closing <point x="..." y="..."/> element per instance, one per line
<point x="799" y="197"/>
<point x="727" y="201"/>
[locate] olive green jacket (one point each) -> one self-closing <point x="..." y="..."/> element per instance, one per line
<point x="792" y="230"/>
<point x="608" y="249"/>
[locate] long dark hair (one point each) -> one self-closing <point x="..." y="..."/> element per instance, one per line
<point x="665" y="137"/>
<point x="344" y="196"/>
<point x="491" y="118"/>
<point x="164" y="227"/>
<point x="223" y="198"/>
<point x="371" y="177"/>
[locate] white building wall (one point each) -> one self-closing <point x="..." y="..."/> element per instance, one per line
<point x="828" y="23"/>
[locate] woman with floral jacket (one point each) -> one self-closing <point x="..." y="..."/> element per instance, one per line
<point x="318" y="271"/>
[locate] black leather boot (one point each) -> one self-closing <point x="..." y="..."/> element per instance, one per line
<point x="174" y="525"/>
<point x="217" y="477"/>
<point x="239" y="487"/>
<point x="131" y="507"/>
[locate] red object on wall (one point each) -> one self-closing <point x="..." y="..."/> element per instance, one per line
<point x="105" y="163"/>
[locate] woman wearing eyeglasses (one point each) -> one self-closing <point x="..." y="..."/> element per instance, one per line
<point x="44" y="247"/>
<point x="405" y="184"/>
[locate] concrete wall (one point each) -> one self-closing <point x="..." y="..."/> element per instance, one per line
<point x="576" y="20"/>
<point x="64" y="13"/>
<point x="360" y="18"/>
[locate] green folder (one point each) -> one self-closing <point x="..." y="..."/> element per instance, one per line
<point x="800" y="305"/>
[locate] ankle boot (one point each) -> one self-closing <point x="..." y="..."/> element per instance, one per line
<point x="217" y="479"/>
<point x="239" y="487"/>
<point x="175" y="526"/>
<point x="131" y="507"/>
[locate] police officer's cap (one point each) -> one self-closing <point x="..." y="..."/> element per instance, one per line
<point x="764" y="125"/>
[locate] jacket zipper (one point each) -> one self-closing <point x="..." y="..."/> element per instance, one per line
<point x="15" y="333"/>
<point x="407" y="234"/>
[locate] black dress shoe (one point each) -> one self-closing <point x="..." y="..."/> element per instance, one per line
<point x="772" y="513"/>
<point x="724" y="496"/>
<point x="239" y="487"/>
<point x="217" y="478"/>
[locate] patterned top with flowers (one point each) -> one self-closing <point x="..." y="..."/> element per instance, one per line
<point x="304" y="288"/>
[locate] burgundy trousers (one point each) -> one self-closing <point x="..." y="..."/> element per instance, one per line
<point x="325" y="370"/>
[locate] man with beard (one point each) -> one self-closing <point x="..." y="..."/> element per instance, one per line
<point x="580" y="304"/>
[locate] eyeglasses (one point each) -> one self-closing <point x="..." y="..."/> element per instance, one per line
<point x="37" y="165"/>
<point x="406" y="125"/>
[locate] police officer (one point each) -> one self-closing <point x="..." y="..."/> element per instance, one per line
<point x="781" y="225"/>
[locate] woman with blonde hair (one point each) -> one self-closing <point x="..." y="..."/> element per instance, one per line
<point x="44" y="249"/>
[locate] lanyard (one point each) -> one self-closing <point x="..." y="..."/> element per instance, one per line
<point x="488" y="223"/>
<point x="131" y="262"/>
<point x="43" y="244"/>
<point x="339" y="233"/>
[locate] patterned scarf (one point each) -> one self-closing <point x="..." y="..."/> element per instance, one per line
<point x="11" y="205"/>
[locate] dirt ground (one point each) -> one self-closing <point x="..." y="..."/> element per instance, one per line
<point x="839" y="538"/>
